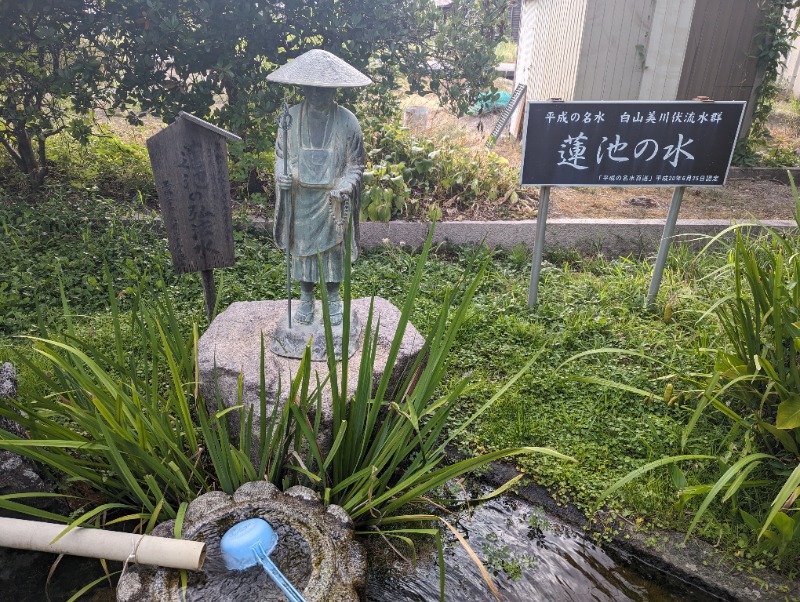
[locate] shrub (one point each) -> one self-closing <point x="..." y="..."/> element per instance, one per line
<point x="103" y="164"/>
<point x="406" y="174"/>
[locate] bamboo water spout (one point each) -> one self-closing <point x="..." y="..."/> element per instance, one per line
<point x="97" y="543"/>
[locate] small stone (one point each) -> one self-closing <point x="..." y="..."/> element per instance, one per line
<point x="19" y="474"/>
<point x="340" y="514"/>
<point x="641" y="201"/>
<point x="165" y="529"/>
<point x="8" y="390"/>
<point x="208" y="502"/>
<point x="8" y="381"/>
<point x="16" y="474"/>
<point x="302" y="493"/>
<point x="130" y="586"/>
<point x="263" y="490"/>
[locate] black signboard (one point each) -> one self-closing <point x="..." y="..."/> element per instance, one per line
<point x="636" y="143"/>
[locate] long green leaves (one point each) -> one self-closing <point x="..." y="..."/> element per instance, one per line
<point x="756" y="381"/>
<point x="375" y="435"/>
<point x="755" y="384"/>
<point x="387" y="447"/>
<point x="635" y="474"/>
<point x="132" y="427"/>
<point x="128" y="426"/>
<point x="790" y="489"/>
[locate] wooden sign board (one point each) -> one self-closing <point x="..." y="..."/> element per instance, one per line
<point x="190" y="166"/>
<point x="633" y="143"/>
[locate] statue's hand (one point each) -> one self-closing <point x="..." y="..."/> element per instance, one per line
<point x="283" y="182"/>
<point x="339" y="195"/>
<point x="340" y="204"/>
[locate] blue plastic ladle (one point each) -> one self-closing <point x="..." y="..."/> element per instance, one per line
<point x="249" y="543"/>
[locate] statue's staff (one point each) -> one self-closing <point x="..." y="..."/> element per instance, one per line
<point x="284" y="123"/>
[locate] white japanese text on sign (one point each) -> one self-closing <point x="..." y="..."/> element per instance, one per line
<point x="629" y="143"/>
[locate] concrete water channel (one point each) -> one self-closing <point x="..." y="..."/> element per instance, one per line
<point x="531" y="555"/>
<point x="534" y="548"/>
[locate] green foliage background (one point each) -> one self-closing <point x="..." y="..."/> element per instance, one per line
<point x="586" y="303"/>
<point x="64" y="59"/>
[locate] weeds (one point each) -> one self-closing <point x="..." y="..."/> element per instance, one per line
<point x="134" y="440"/>
<point x="753" y="387"/>
<point x="406" y="174"/>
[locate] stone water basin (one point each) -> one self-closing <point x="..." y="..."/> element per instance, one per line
<point x="317" y="551"/>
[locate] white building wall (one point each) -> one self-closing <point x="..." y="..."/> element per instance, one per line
<point x="614" y="49"/>
<point x="672" y="22"/>
<point x="549" y="47"/>
<point x="643" y="50"/>
<point x="603" y="50"/>
<point x="791" y="73"/>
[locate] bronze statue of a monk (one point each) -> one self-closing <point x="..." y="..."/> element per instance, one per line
<point x="326" y="161"/>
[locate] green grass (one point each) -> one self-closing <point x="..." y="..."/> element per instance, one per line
<point x="585" y="303"/>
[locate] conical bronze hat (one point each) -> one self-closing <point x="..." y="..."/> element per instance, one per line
<point x="319" y="68"/>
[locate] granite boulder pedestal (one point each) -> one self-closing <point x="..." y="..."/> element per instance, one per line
<point x="232" y="348"/>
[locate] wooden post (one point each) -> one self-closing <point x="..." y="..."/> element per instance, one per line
<point x="209" y="292"/>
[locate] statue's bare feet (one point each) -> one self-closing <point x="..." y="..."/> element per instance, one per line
<point x="305" y="313"/>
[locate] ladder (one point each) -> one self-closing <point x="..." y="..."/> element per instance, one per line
<point x="502" y="121"/>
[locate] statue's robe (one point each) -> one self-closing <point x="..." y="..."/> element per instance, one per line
<point x="337" y="163"/>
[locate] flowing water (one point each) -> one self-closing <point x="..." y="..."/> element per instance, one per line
<point x="531" y="557"/>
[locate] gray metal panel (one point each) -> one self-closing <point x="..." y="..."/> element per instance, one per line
<point x="666" y="49"/>
<point x="721" y="52"/>
<point x="190" y="167"/>
<point x="614" y="49"/>
<point x="549" y="51"/>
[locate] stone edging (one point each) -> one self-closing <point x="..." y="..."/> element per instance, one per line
<point x="612" y="237"/>
<point x="778" y="174"/>
<point x="609" y="236"/>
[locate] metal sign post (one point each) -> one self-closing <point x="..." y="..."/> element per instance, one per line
<point x="663" y="249"/>
<point x="538" y="244"/>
